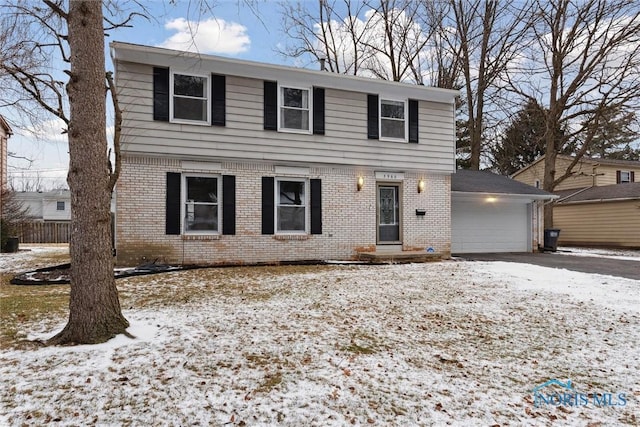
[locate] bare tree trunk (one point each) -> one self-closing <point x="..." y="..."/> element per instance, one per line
<point x="548" y="183"/>
<point x="94" y="310"/>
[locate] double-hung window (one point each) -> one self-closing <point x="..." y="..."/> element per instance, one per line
<point x="393" y="120"/>
<point x="201" y="204"/>
<point x="190" y="98"/>
<point x="294" y="109"/>
<point x="625" y="177"/>
<point x="291" y="205"/>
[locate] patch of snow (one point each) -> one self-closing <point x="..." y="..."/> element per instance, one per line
<point x="29" y="257"/>
<point x="622" y="254"/>
<point x="449" y="343"/>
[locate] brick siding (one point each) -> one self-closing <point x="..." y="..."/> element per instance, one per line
<point x="349" y="216"/>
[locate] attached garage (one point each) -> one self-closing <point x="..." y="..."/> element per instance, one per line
<point x="478" y="225"/>
<point x="493" y="213"/>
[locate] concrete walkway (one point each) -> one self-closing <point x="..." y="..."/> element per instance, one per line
<point x="586" y="264"/>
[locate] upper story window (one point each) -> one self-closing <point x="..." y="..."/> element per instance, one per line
<point x="625" y="177"/>
<point x="201" y="204"/>
<point x="60" y="206"/>
<point x="393" y="119"/>
<point x="190" y="98"/>
<point x="291" y="206"/>
<point x="294" y="109"/>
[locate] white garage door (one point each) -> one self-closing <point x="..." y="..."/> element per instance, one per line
<point x="478" y="226"/>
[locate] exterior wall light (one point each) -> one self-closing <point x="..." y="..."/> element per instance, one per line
<point x="420" y="185"/>
<point x="491" y="199"/>
<point x="360" y="183"/>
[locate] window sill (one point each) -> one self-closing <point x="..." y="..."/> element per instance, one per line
<point x="201" y="237"/>
<point x="385" y="139"/>
<point x="291" y="237"/>
<point x="189" y="122"/>
<point x="292" y="130"/>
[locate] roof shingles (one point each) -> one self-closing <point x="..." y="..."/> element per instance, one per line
<point x="468" y="181"/>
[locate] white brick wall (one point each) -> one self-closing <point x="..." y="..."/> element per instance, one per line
<point x="348" y="217"/>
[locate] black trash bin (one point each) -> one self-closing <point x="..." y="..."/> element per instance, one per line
<point x="551" y="239"/>
<point x="11" y="245"/>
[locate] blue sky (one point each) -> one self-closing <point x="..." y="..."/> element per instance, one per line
<point x="230" y="29"/>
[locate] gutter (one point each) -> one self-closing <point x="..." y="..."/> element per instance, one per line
<point x="582" y="202"/>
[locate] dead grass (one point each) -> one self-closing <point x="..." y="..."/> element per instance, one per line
<point x="26" y="305"/>
<point x="21" y="306"/>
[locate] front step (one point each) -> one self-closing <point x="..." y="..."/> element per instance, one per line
<point x="398" y="257"/>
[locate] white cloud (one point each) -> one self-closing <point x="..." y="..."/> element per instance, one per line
<point x="47" y="131"/>
<point x="209" y="36"/>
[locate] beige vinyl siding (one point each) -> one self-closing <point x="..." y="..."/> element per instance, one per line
<point x="581" y="178"/>
<point x="604" y="223"/>
<point x="344" y="143"/>
<point x="607" y="173"/>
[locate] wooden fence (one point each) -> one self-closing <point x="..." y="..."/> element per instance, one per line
<point x="45" y="232"/>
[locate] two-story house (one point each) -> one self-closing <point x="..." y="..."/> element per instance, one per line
<point x="229" y="161"/>
<point x="598" y="205"/>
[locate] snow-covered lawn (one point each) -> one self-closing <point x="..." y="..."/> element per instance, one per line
<point x="450" y="343"/>
<point x="623" y="254"/>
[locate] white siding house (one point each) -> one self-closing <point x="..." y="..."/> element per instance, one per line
<point x="46" y="205"/>
<point x="228" y="161"/>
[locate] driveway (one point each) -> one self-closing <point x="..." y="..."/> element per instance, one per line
<point x="586" y="264"/>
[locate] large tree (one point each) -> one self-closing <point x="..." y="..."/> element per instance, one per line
<point x="385" y="39"/>
<point x="74" y="32"/>
<point x="486" y="36"/>
<point x="585" y="63"/>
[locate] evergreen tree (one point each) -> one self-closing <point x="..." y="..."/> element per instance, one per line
<point x="522" y="141"/>
<point x="614" y="136"/>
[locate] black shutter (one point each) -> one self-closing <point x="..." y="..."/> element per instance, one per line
<point x="218" y="100"/>
<point x="618" y="177"/>
<point x="316" y="206"/>
<point x="267" y="204"/>
<point x="372" y="117"/>
<point x="270" y="105"/>
<point x="632" y="176"/>
<point x="172" y="216"/>
<point x="318" y="111"/>
<point x="413" y="121"/>
<point x="228" y="204"/>
<point x="161" y="94"/>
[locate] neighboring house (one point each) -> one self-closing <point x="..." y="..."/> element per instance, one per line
<point x="229" y="161"/>
<point x="493" y="213"/>
<point x="46" y="206"/>
<point x="588" y="172"/>
<point x="599" y="205"/>
<point x="599" y="216"/>
<point x="5" y="133"/>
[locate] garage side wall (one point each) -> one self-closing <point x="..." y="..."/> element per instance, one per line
<point x="613" y="224"/>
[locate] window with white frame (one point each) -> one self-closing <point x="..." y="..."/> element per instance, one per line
<point x="393" y="119"/>
<point x="295" y="110"/>
<point x="201" y="206"/>
<point x="60" y="206"/>
<point x="625" y="177"/>
<point x="291" y="205"/>
<point x="190" y="98"/>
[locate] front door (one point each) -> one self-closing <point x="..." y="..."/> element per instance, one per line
<point x="388" y="214"/>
